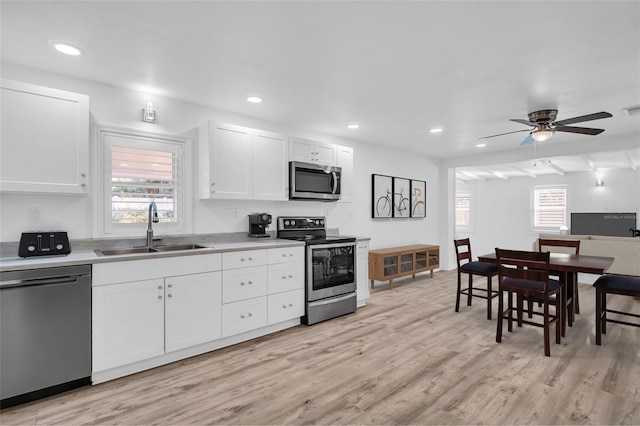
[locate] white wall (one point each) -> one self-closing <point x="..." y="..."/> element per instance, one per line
<point x="503" y="207"/>
<point x="119" y="107"/>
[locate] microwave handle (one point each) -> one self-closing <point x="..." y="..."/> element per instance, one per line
<point x="334" y="182"/>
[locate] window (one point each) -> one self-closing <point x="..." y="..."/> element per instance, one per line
<point x="464" y="216"/>
<point x="139" y="169"/>
<point x="549" y="207"/>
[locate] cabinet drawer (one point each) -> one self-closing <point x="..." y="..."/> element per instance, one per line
<point x="286" y="254"/>
<point x="245" y="315"/>
<point x="245" y="283"/>
<point x="285" y="306"/>
<point x="244" y="259"/>
<point x="285" y="277"/>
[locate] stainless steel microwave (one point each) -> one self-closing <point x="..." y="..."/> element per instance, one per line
<point x="308" y="181"/>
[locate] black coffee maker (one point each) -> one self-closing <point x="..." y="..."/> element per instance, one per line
<point x="258" y="224"/>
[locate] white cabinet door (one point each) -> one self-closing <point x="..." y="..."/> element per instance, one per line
<point x="285" y="277"/>
<point x="312" y="151"/>
<point x="326" y="154"/>
<point x="270" y="167"/>
<point x="362" y="271"/>
<point x="345" y="161"/>
<point x="45" y="140"/>
<point x="225" y="158"/>
<point x="128" y="323"/>
<point x="245" y="283"/>
<point x="285" y="306"/>
<point x="245" y="315"/>
<point x="193" y="310"/>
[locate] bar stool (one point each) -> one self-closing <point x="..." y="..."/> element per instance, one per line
<point x="471" y="268"/>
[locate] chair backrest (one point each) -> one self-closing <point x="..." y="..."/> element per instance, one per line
<point x="572" y="246"/>
<point x="463" y="250"/>
<point x="524" y="265"/>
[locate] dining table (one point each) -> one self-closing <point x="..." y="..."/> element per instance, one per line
<point x="566" y="265"/>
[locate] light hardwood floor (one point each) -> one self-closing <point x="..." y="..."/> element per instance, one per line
<point x="405" y="358"/>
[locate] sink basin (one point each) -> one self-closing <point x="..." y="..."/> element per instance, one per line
<point x="156" y="249"/>
<point x="126" y="250"/>
<point x="178" y="247"/>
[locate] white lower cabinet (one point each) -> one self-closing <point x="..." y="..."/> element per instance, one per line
<point x="128" y="323"/>
<point x="192" y="310"/>
<point x="285" y="306"/>
<point x="245" y="315"/>
<point x="362" y="272"/>
<point x="153" y="311"/>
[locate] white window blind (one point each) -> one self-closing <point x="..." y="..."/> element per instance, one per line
<point x="549" y="207"/>
<point x="139" y="170"/>
<point x="463" y="209"/>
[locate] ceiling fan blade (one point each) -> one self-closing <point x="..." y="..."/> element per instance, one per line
<point x="588" y="117"/>
<point x="508" y="133"/>
<point x="581" y="130"/>
<point x="521" y="121"/>
<point x="527" y="141"/>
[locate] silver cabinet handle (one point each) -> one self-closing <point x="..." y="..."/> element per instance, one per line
<point x="159" y="287"/>
<point x="169" y="295"/>
<point x="159" y="297"/>
<point x="284" y="306"/>
<point x="170" y="285"/>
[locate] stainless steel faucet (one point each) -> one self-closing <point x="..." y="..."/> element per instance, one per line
<point x="153" y="218"/>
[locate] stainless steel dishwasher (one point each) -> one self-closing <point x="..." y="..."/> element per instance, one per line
<point x="45" y="332"/>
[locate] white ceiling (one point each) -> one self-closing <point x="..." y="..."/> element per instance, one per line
<point x="398" y="68"/>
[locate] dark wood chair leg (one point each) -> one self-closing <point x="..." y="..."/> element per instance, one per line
<point x="604" y="312"/>
<point x="500" y="317"/>
<point x="470" y="291"/>
<point x="576" y="302"/>
<point x="458" y="292"/>
<point x="598" y="316"/>
<point x="510" y="311"/>
<point x="547" y="344"/>
<point x="489" y="297"/>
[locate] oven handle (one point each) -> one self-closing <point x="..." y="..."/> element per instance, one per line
<point x="327" y="246"/>
<point x="333" y="299"/>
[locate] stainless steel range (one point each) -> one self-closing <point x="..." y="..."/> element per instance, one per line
<point x="330" y="267"/>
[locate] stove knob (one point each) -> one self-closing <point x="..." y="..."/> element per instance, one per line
<point x="321" y="222"/>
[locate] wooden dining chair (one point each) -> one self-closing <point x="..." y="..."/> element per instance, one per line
<point x="466" y="265"/>
<point x="526" y="274"/>
<point x="573" y="247"/>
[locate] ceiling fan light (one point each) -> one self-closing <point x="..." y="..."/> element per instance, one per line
<point x="542" y="135"/>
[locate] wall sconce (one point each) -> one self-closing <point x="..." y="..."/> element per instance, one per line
<point x="148" y="114"/>
<point x="599" y="181"/>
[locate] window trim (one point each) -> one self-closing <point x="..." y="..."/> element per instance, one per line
<point x="100" y="216"/>
<point x="471" y="227"/>
<point x="538" y="229"/>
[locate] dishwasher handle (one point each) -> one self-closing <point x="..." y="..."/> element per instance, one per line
<point x="40" y="281"/>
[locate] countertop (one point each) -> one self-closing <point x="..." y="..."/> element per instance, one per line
<point x="84" y="257"/>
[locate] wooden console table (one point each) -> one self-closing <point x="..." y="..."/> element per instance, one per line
<point x="394" y="262"/>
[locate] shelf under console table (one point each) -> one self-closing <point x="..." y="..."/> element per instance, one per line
<point x="394" y="262"/>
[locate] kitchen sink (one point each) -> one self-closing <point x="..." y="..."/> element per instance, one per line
<point x="156" y="249"/>
<point x="178" y="247"/>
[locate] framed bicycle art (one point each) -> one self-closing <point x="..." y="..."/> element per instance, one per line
<point x="381" y="188"/>
<point x="418" y="195"/>
<point x="397" y="197"/>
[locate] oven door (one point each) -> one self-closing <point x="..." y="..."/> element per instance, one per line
<point x="330" y="270"/>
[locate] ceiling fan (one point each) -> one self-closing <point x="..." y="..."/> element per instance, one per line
<point x="544" y="125"/>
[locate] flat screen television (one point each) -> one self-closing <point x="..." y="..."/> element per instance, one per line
<point x="611" y="224"/>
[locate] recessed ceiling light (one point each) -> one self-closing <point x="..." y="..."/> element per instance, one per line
<point x="353" y="126"/>
<point x="254" y="99"/>
<point x="67" y="49"/>
<point x="436" y="130"/>
<point x="481" y="145"/>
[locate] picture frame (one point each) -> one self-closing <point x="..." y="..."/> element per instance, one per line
<point x="401" y="193"/>
<point x="418" y="198"/>
<point x="381" y="196"/>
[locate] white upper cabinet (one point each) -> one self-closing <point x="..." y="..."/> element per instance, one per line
<point x="270" y="166"/>
<point x="345" y="162"/>
<point x="45" y="140"/>
<point x="225" y="161"/>
<point x="237" y="162"/>
<point x="313" y="151"/>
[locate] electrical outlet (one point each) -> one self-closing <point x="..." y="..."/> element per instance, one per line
<point x="230" y="212"/>
<point x="35" y="215"/>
